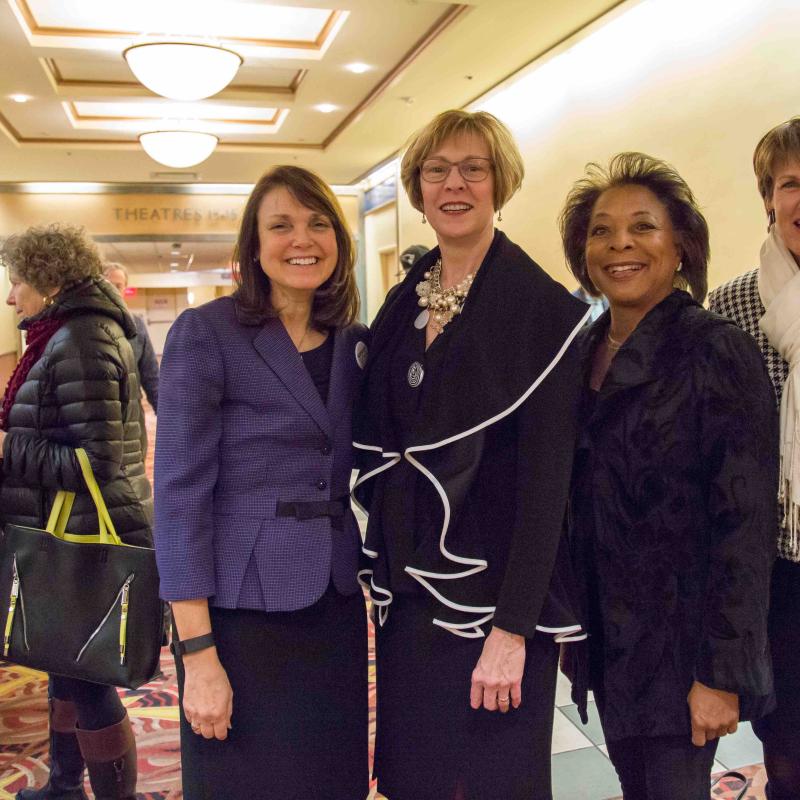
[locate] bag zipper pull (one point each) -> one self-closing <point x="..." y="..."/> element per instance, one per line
<point x="123" y="623"/>
<point x="11" y="608"/>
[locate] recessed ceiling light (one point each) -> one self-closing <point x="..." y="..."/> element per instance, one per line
<point x="20" y="98"/>
<point x="174" y="264"/>
<point x="358" y="67"/>
<point x="326" y="108"/>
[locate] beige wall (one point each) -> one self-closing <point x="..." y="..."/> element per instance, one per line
<point x="695" y="82"/>
<point x="9" y="335"/>
<point x="380" y="232"/>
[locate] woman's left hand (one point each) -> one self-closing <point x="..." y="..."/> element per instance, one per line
<point x="497" y="678"/>
<point x="714" y="713"/>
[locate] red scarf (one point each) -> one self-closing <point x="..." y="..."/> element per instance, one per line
<point x="39" y="335"/>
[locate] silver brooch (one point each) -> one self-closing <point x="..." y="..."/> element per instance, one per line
<point x="415" y="374"/>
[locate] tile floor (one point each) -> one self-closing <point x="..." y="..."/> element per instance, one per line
<point x="581" y="769"/>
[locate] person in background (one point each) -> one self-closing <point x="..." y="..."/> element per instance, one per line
<point x="765" y="302"/>
<point x="146" y="360"/>
<point x="256" y="542"/>
<point x="76" y="386"/>
<point x="466" y="433"/>
<point x="673" y="501"/>
<point x="410" y="256"/>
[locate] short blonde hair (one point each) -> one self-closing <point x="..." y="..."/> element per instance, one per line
<point x="506" y="159"/>
<point x="777" y="146"/>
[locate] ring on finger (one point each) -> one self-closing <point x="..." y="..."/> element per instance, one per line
<point x="504" y="700"/>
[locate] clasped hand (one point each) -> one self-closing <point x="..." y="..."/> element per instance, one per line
<point x="497" y="678"/>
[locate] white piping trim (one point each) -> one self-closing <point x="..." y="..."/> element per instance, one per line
<point x="381" y="605"/>
<point x="395" y="458"/>
<point x="568" y="629"/>
<point x="478" y="565"/>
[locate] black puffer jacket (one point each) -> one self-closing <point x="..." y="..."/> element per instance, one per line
<point x="82" y="392"/>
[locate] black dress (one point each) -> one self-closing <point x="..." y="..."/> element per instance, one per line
<point x="452" y="549"/>
<point x="300" y="704"/>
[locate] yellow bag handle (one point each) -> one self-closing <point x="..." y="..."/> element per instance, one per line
<point x="62" y="509"/>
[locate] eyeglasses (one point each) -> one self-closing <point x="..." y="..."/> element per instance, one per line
<point x="474" y="170"/>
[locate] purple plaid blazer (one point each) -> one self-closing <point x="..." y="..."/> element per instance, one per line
<point x="241" y="427"/>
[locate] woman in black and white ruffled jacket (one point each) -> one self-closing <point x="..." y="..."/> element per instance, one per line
<point x="467" y="428"/>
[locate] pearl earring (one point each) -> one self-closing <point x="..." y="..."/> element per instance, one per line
<point x="500" y="215"/>
<point x="423" y="218"/>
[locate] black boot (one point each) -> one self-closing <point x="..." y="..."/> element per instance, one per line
<point x="66" y="761"/>
<point x="110" y="756"/>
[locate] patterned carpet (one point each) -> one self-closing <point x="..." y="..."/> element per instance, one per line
<point x="153" y="710"/>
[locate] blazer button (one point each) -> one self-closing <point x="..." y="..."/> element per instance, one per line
<point x="326" y="448"/>
<point x="322" y="485"/>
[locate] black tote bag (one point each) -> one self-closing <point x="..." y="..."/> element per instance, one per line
<point x="84" y="607"/>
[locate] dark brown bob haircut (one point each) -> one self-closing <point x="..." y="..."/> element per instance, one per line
<point x="776" y="148"/>
<point x="638" y="169"/>
<point x="336" y="302"/>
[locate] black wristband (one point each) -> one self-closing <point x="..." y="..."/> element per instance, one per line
<point x="194" y="644"/>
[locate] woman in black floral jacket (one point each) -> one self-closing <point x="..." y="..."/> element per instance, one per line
<point x="673" y="507"/>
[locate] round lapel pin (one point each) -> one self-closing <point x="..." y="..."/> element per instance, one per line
<point x="361" y="354"/>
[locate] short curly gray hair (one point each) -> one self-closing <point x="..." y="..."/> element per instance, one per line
<point x="51" y="257"/>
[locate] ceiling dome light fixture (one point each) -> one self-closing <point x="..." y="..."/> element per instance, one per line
<point x="178" y="149"/>
<point x="181" y="70"/>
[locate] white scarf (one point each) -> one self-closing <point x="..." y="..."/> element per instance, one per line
<point x="779" y="287"/>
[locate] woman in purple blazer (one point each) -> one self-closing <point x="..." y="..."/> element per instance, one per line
<point x="257" y="546"/>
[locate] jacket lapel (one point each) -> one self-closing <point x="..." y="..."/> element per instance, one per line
<point x="273" y="344"/>
<point x="344" y="357"/>
<point x="642" y="359"/>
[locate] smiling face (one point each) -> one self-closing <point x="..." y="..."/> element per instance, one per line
<point x="297" y="247"/>
<point x="785" y="201"/>
<point x="460" y="210"/>
<point x="632" y="250"/>
<point x="26" y="300"/>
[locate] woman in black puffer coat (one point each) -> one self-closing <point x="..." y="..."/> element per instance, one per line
<point x="76" y="386"/>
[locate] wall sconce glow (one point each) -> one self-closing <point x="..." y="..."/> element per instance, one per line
<point x="190" y="297"/>
<point x="178" y="149"/>
<point x="358" y="68"/>
<point x="326" y="108"/>
<point x="20" y="98"/>
<point x="183" y="71"/>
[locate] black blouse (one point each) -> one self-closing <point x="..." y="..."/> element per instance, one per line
<point x="318" y="363"/>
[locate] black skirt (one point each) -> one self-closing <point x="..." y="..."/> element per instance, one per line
<point x="430" y="745"/>
<point x="300" y="719"/>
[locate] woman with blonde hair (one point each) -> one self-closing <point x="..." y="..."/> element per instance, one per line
<point x="765" y="302"/>
<point x="466" y="430"/>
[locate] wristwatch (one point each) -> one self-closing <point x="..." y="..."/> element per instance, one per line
<point x="194" y="644"/>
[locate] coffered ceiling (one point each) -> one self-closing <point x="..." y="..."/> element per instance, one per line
<point x="295" y="98"/>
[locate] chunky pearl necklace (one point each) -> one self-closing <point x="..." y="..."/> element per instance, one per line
<point x="444" y="304"/>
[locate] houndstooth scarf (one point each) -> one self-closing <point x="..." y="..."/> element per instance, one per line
<point x="779" y="287"/>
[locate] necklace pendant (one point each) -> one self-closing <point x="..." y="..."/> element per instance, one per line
<point x="422" y="319"/>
